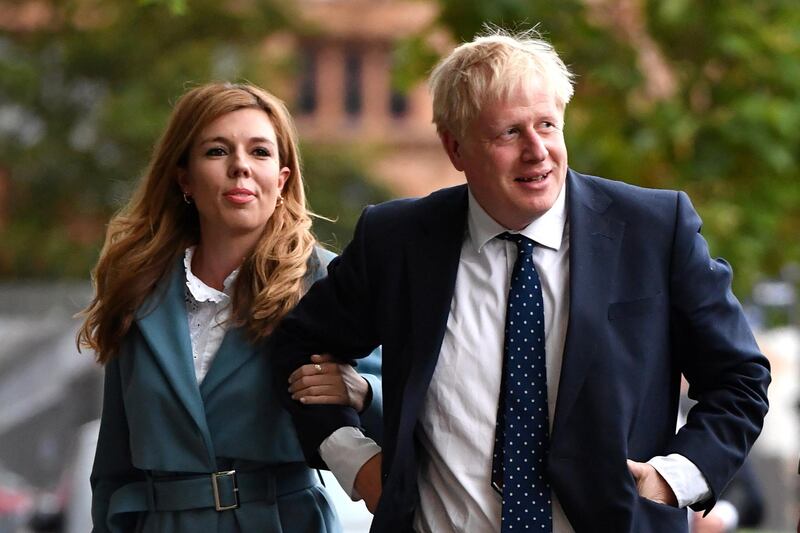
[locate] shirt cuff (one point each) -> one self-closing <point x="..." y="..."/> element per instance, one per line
<point x="345" y="451"/>
<point x="683" y="477"/>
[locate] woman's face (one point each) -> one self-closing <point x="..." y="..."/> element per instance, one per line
<point x="233" y="175"/>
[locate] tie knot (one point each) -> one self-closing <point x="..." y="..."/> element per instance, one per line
<point x="524" y="244"/>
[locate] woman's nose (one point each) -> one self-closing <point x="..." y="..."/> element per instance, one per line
<point x="239" y="165"/>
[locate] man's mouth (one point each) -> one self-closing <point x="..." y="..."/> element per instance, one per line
<point x="532" y="179"/>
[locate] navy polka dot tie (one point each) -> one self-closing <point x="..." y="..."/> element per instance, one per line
<point x="519" y="466"/>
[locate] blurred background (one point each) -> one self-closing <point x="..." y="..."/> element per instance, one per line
<point x="692" y="95"/>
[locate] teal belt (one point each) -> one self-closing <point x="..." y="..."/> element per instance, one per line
<point x="221" y="491"/>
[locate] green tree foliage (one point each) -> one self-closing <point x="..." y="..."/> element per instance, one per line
<point x="723" y="127"/>
<point x="83" y="99"/>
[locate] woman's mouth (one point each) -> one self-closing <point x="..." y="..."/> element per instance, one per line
<point x="239" y="195"/>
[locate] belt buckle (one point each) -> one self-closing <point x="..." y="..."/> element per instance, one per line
<point x="214" y="484"/>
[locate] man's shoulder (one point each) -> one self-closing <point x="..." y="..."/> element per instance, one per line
<point x="621" y="189"/>
<point x="621" y="196"/>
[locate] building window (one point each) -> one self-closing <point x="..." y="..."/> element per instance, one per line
<point x="352" y="83"/>
<point x="398" y="103"/>
<point x="307" y="90"/>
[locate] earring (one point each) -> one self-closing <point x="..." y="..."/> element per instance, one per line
<point x="279" y="202"/>
<point x="187" y="198"/>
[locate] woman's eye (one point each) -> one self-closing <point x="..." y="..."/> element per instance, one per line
<point x="215" y="152"/>
<point x="261" y="152"/>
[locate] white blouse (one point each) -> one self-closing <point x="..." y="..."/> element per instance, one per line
<point x="208" y="311"/>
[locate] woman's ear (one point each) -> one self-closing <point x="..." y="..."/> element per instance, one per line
<point x="182" y="178"/>
<point x="282" y="177"/>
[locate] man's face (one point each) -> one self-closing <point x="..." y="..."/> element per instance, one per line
<point x="513" y="155"/>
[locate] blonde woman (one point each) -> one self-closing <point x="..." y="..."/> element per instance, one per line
<point x="211" y="252"/>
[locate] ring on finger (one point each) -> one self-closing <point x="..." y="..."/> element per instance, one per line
<point x="318" y="368"/>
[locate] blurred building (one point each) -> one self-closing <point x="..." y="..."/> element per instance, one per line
<point x="339" y="85"/>
<point x="343" y="90"/>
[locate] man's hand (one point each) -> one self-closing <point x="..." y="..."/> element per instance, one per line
<point x="324" y="381"/>
<point x="368" y="482"/>
<point x="650" y="484"/>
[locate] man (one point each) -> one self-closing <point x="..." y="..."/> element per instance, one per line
<point x="566" y="421"/>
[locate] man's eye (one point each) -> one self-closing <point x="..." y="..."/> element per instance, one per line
<point x="215" y="152"/>
<point x="508" y="132"/>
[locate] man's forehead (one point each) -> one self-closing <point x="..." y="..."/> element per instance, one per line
<point x="534" y="104"/>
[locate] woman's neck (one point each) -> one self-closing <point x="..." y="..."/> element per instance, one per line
<point x="215" y="259"/>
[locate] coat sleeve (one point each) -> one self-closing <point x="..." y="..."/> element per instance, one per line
<point x="727" y="374"/>
<point x="112" y="463"/>
<point x="334" y="317"/>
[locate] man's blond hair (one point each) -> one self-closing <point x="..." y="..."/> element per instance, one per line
<point x="488" y="69"/>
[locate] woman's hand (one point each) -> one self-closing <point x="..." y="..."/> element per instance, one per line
<point x="325" y="381"/>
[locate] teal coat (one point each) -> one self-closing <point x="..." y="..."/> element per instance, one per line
<point x="156" y="419"/>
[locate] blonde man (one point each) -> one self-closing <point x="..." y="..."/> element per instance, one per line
<point x="501" y="416"/>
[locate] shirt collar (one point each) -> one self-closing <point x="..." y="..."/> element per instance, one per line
<point x="547" y="230"/>
<point x="199" y="290"/>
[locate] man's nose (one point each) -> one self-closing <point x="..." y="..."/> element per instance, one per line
<point x="534" y="148"/>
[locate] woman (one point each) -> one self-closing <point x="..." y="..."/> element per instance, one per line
<point x="211" y="252"/>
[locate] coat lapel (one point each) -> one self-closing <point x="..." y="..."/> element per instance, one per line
<point x="234" y="351"/>
<point x="163" y="322"/>
<point x="594" y="240"/>
<point x="432" y="267"/>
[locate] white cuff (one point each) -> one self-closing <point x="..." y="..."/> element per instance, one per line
<point x="345" y="451"/>
<point x="683" y="477"/>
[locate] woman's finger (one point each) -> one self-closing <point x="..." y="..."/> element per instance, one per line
<point x="321" y="358"/>
<point x="327" y="400"/>
<point x="315" y="390"/>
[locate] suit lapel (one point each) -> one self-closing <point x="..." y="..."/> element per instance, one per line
<point x="594" y="240"/>
<point x="163" y="322"/>
<point x="432" y="262"/>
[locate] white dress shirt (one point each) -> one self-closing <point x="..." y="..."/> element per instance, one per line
<point x="457" y="423"/>
<point x="208" y="311"/>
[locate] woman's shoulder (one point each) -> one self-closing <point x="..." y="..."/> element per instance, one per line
<point x="323" y="255"/>
<point x="318" y="263"/>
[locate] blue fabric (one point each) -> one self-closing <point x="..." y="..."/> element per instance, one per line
<point x="519" y="467"/>
<point x="156" y="419"/>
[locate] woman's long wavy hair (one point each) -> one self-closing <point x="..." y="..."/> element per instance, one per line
<point x="145" y="239"/>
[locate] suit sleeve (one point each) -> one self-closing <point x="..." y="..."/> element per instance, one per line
<point x="112" y="463"/>
<point x="727" y="374"/>
<point x="369" y="368"/>
<point x="335" y="317"/>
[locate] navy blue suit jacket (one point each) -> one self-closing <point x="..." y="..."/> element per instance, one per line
<point x="647" y="303"/>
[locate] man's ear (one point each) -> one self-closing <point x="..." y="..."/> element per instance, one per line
<point x="453" y="148"/>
